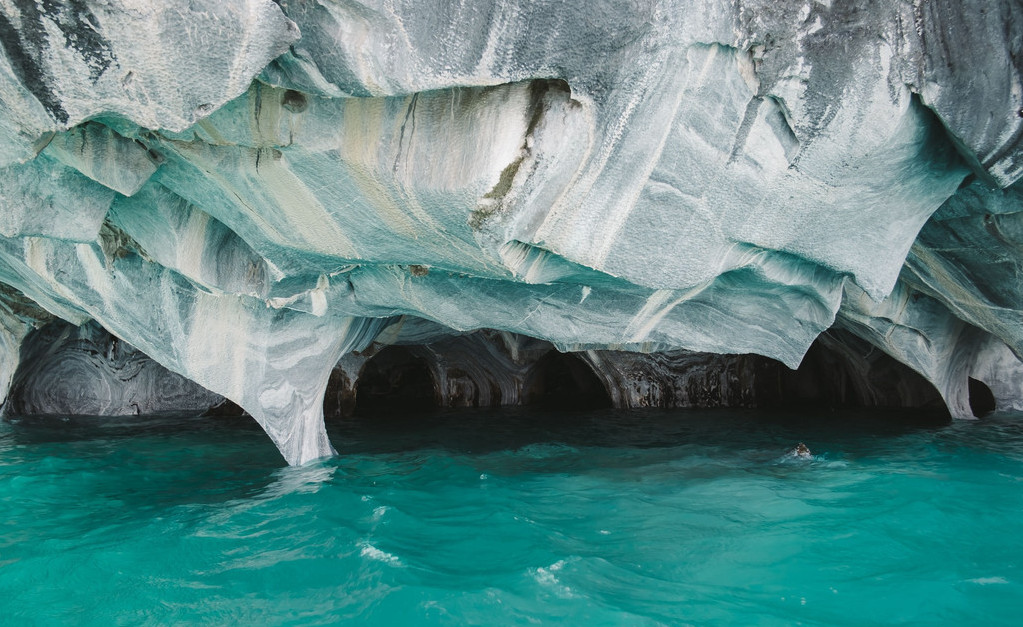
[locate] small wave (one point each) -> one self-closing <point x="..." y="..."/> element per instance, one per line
<point x="547" y="577"/>
<point x="790" y="458"/>
<point x="988" y="581"/>
<point x="373" y="553"/>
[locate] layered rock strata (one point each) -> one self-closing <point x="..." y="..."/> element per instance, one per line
<point x="248" y="192"/>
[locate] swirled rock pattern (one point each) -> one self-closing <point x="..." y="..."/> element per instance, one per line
<point x="84" y="370"/>
<point x="249" y="191"/>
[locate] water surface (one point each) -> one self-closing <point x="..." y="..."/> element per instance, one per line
<point x="515" y="517"/>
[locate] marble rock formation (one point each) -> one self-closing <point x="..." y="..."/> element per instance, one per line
<point x="68" y="370"/>
<point x="493" y="369"/>
<point x="252" y="193"/>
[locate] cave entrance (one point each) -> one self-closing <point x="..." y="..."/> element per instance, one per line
<point x="843" y="371"/>
<point x="395" y="380"/>
<point x="563" y="381"/>
<point x="982" y="400"/>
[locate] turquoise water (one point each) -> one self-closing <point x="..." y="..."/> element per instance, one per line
<point x="515" y="518"/>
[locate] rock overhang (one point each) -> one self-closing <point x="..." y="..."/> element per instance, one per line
<point x="725" y="179"/>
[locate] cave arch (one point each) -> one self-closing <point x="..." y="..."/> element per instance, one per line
<point x="982" y="400"/>
<point x="841" y="370"/>
<point x="394" y="380"/>
<point x="564" y="381"/>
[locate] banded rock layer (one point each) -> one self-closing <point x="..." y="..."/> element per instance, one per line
<point x="252" y="192"/>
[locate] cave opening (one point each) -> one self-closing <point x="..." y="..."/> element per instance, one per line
<point x="841" y="371"/>
<point x="982" y="400"/>
<point x="395" y="380"/>
<point x="563" y="381"/>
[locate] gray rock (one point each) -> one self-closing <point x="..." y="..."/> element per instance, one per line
<point x="690" y="176"/>
<point x="69" y="370"/>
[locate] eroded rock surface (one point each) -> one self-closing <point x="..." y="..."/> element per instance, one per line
<point x="249" y="192"/>
<point x="68" y="370"/>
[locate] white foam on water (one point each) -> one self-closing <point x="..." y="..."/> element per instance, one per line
<point x="373" y="553"/>
<point x="546" y="577"/>
<point x="988" y="581"/>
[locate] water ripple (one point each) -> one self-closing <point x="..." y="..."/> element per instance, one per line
<point x="512" y="517"/>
